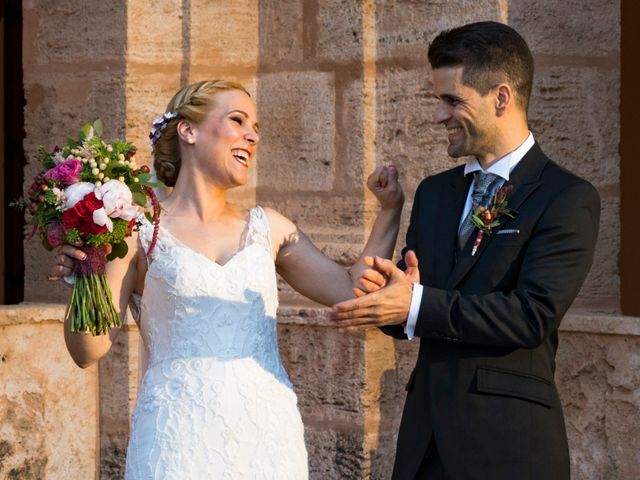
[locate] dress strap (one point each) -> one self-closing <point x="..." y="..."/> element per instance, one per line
<point x="258" y="230"/>
<point x="145" y="236"/>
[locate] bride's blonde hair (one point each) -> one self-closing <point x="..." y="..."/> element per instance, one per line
<point x="192" y="103"/>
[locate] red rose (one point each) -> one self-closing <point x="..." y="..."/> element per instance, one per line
<point x="80" y="216"/>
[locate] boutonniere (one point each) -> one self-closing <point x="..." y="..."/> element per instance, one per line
<point x="485" y="219"/>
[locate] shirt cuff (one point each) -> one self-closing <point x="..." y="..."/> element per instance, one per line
<point x="414" y="309"/>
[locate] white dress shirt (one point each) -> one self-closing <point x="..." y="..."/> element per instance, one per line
<point x="501" y="168"/>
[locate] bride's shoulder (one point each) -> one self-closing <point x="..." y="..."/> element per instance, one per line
<point x="276" y="219"/>
<point x="280" y="226"/>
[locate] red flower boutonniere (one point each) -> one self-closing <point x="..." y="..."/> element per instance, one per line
<point x="486" y="219"/>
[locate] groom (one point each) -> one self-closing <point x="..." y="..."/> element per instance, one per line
<point x="481" y="401"/>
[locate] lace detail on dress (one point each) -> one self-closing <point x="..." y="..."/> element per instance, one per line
<point x="215" y="401"/>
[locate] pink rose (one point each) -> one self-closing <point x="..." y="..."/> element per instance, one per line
<point x="67" y="172"/>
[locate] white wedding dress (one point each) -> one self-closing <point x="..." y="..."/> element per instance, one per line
<point x="215" y="401"/>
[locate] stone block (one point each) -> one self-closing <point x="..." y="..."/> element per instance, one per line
<point x="334" y="453"/>
<point x="601" y="289"/>
<point x="581" y="27"/>
<point x="406" y="27"/>
<point x="382" y="457"/>
<point x="224" y="33"/>
<point x="574" y="116"/>
<point x="42" y="394"/>
<point x="339" y="35"/>
<point x="74" y="33"/>
<point x="297" y="115"/>
<point x="58" y="105"/>
<point x="147" y="96"/>
<point x="313" y="355"/>
<point x="157" y="34"/>
<point x="350" y="172"/>
<point x="281" y="29"/>
<point x="598" y="385"/>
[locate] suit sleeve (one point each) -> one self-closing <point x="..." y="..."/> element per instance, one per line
<point x="555" y="264"/>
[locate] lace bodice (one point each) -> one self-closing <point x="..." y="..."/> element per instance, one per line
<point x="215" y="401"/>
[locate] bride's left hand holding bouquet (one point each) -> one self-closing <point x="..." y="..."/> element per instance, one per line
<point x="90" y="194"/>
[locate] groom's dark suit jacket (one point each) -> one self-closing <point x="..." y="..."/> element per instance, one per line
<point x="483" y="385"/>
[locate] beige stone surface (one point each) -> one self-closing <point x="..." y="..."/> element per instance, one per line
<point x="74" y="31"/>
<point x="601" y="290"/>
<point x="574" y="115"/>
<point x="157" y="35"/>
<point x="297" y="154"/>
<point x="281" y="27"/>
<point x="224" y="33"/>
<point x="405" y="27"/>
<point x="339" y="34"/>
<point x="599" y="386"/>
<point x="568" y="28"/>
<point x="48" y="408"/>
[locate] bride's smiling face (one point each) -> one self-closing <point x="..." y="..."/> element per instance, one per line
<point x="224" y="143"/>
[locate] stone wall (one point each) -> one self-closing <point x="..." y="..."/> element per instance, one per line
<point x="341" y="86"/>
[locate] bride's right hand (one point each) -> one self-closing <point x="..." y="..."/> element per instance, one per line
<point x="383" y="183"/>
<point x="64" y="262"/>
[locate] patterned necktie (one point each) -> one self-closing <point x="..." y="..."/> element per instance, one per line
<point x="483" y="186"/>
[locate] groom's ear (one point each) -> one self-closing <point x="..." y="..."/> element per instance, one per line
<point x="186" y="131"/>
<point x="503" y="98"/>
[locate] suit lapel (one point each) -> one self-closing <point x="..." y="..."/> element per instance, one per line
<point x="525" y="179"/>
<point x="448" y="218"/>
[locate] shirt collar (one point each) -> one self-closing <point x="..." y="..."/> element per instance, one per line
<point x="506" y="164"/>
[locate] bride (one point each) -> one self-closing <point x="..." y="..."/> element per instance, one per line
<point x="215" y="400"/>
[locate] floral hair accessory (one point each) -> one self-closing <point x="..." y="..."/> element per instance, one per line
<point x="486" y="219"/>
<point x="158" y="125"/>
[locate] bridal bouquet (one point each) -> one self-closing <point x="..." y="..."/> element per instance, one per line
<point x="89" y="194"/>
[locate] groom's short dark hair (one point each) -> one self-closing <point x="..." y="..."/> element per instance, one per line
<point x="490" y="53"/>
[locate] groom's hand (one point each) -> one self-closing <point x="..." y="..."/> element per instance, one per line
<point x="387" y="306"/>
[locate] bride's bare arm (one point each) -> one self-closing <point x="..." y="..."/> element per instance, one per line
<point x="319" y="278"/>
<point x="123" y="277"/>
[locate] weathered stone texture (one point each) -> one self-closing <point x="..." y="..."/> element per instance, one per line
<point x="568" y="28"/>
<point x="157" y="34"/>
<point x="334" y="453"/>
<point x="296" y="154"/>
<point x="314" y="354"/>
<point x="574" y="115"/>
<point x="42" y="394"/>
<point x="73" y="31"/>
<point x="280" y="32"/>
<point x="601" y="289"/>
<point x="405" y="27"/>
<point x="339" y="24"/>
<point x="224" y="33"/>
<point x="599" y="386"/>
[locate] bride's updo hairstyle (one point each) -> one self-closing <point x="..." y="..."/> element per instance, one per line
<point x="192" y="103"/>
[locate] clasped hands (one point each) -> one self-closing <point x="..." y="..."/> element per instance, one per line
<point x="383" y="297"/>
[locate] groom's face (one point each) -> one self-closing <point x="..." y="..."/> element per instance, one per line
<point x="468" y="116"/>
